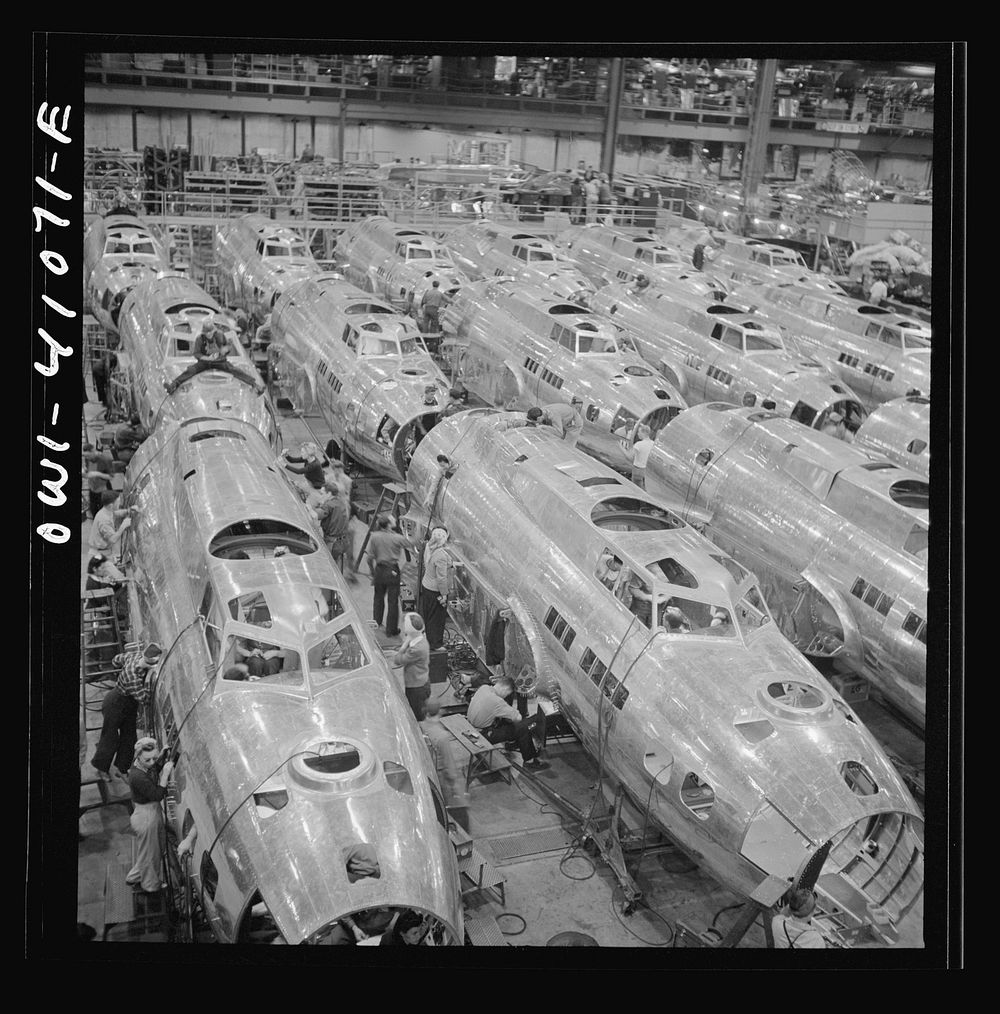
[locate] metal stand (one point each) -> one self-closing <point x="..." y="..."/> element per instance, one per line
<point x="765" y="896"/>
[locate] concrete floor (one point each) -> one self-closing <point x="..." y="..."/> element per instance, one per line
<point x="553" y="892"/>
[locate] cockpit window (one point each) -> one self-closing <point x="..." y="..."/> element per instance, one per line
<point x="915" y="341"/>
<point x="760" y="343"/>
<point x="596" y="343"/>
<point x="143" y="247"/>
<point x="664" y="257"/>
<point x="751" y="613"/>
<point x="117" y="247"/>
<point x="803" y="413"/>
<point x="251" y="608"/>
<point x="261" y="663"/>
<point x="416" y="253"/>
<point x="274" y="250"/>
<point x="336" y="654"/>
<point x="540" y="255"/>
<point x="674" y="572"/>
<point x="624" y="421"/>
<point x="685" y="616"/>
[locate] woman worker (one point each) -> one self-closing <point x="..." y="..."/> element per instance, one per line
<point x="147" y="817"/>
<point x="435" y="587"/>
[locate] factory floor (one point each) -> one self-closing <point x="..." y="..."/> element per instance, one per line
<point x="551" y="886"/>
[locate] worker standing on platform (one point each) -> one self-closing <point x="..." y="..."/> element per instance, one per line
<point x="148" y="792"/>
<point x="434" y="587"/>
<point x="591" y="193"/>
<point x="431" y="305"/>
<point x="639" y="453"/>
<point x="99" y="372"/>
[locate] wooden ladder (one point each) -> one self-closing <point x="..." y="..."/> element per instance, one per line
<point x="391" y="498"/>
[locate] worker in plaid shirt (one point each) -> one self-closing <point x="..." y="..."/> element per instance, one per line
<point x="120" y="710"/>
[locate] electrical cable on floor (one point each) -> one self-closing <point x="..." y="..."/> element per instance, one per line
<point x="512" y="915"/>
<point x="652" y="911"/>
<point x="728" y="908"/>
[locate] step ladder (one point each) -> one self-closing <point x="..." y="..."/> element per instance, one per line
<point x="100" y="635"/>
<point x="138" y="914"/>
<point x="389" y="501"/>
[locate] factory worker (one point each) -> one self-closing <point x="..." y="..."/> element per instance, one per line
<point x="211" y="349"/>
<point x="434" y="587"/>
<point x="566" y="419"/>
<point x="120" y="709"/>
<point x="312" y="460"/>
<point x="413" y="655"/>
<point x="147" y="780"/>
<point x="639" y="453"/>
<point x="500" y="722"/>
<point x="793" y="928"/>
<point x="384" y="548"/>
<point x="443" y="749"/>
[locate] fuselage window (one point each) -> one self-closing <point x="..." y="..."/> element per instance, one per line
<point x="803" y="413"/>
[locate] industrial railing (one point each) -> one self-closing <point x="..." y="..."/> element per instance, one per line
<point x="339" y="78"/>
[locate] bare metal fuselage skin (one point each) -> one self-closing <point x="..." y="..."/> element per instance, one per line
<point x="206" y="490"/>
<point x="259" y="261"/>
<point x="838" y="541"/>
<point x="119" y="252"/>
<point x="606" y="255"/>
<point x="361" y="364"/>
<point x="159" y="323"/>
<point x="887" y="363"/>
<point x="743" y="365"/>
<point x="493" y="249"/>
<point x="525" y="349"/>
<point x="529" y="521"/>
<point x="900" y="430"/>
<point x="397" y="262"/>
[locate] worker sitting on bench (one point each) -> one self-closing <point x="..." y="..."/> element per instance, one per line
<point x="210" y="350"/>
<point x="499" y="722"/>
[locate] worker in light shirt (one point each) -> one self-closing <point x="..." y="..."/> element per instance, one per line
<point x="639" y="453"/>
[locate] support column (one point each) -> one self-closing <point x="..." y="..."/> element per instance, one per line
<point x="342" y="126"/>
<point x="755" y="154"/>
<point x="616" y="80"/>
